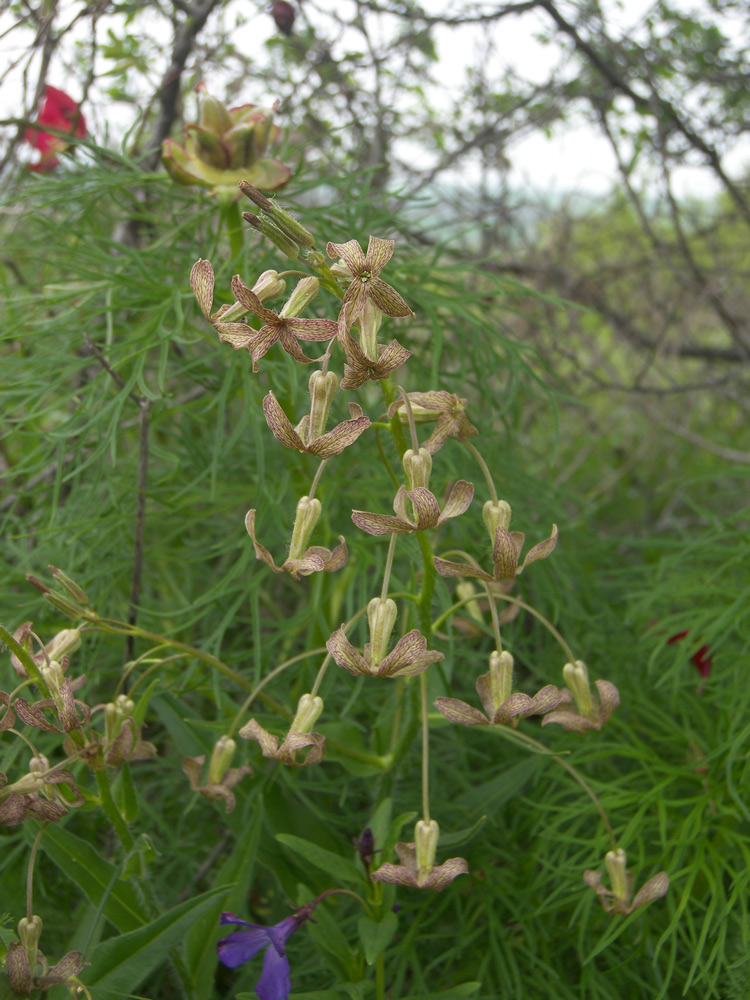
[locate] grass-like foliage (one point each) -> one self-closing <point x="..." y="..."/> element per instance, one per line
<point x="144" y="802"/>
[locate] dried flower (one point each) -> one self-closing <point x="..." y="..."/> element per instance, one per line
<point x="427" y="513"/>
<point x="617" y="899"/>
<point x="58" y="111"/>
<point x="366" y="283"/>
<point x="225" y="147"/>
<point x="447" y="409"/>
<point x="500" y="706"/>
<point x="588" y="711"/>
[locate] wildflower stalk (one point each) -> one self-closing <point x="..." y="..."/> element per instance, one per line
<point x="30" y="873"/>
<point x="232" y="222"/>
<point x="484" y="467"/>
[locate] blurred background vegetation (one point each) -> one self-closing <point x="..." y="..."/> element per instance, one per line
<point x="603" y="343"/>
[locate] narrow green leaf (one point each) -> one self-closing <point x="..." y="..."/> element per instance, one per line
<point x="455" y="993"/>
<point x="342" y="869"/>
<point x="81" y="864"/>
<point x="125" y="796"/>
<point x="376" y="936"/>
<point x="122" y="963"/>
<point x="451" y="840"/>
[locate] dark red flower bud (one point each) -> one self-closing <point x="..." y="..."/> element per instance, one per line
<point x="283" y="14"/>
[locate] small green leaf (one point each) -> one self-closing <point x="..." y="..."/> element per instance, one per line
<point x="341" y="869"/>
<point x="376" y="937"/>
<point x="122" y="963"/>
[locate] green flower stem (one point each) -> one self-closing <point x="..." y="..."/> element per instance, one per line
<point x="316" y="479"/>
<point x="112" y="812"/>
<point x="425" y="748"/>
<point x="483" y="466"/>
<point x="25" y="657"/>
<point x="256" y="691"/>
<point x="397" y="431"/>
<point x="232" y="220"/>
<point x="529" y="741"/>
<point x="495" y="617"/>
<point x="30" y="873"/>
<point x="388" y="567"/>
<point x="380" y="977"/>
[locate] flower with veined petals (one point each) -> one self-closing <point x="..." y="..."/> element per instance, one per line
<point x="325" y="446"/>
<point x="297" y="738"/>
<point x="588" y="712"/>
<point x="427" y="513"/>
<point x="221" y="778"/>
<point x="617" y="899"/>
<point x="409" y="656"/>
<point x="417" y="866"/>
<point x="311" y="560"/>
<point x="506" y="552"/>
<point x="447" y="409"/>
<point x="225" y="147"/>
<point x="274" y="982"/>
<point x="284" y="328"/>
<point x="501" y="707"/>
<point x="359" y="368"/>
<point x="58" y="111"/>
<point x="366" y="283"/>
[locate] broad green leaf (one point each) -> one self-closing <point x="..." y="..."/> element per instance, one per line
<point x="82" y="865"/>
<point x="121" y="963"/>
<point x="125" y="795"/>
<point x="342" y="869"/>
<point x="376" y="936"/>
<point x="234" y="877"/>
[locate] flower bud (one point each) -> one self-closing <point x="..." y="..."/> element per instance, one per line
<point x="615" y="862"/>
<point x="286" y="223"/>
<point x="323" y="387"/>
<point x="425" y="840"/>
<point x="417" y="468"/>
<point x="577" y="678"/>
<point x="70" y="587"/>
<point x="382" y="617"/>
<point x="273" y="233"/>
<point x="501" y="677"/>
<point x="69" y="608"/>
<point x="39" y="765"/>
<point x="67" y="641"/>
<point x="301" y="297"/>
<point x="29" y="932"/>
<point x="214" y="116"/>
<point x="496" y="514"/>
<point x="221" y="758"/>
<point x="115" y="713"/>
<point x="308" y="712"/>
<point x="269" y="285"/>
<point x="308" y="512"/>
<point x="368" y="323"/>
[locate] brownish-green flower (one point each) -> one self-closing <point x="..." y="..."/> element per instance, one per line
<point x="301" y="438"/>
<point x="427" y="513"/>
<point x="35" y="794"/>
<point x="221" y="777"/>
<point x="366" y="283"/>
<point x="298" y="737"/>
<point x="359" y="367"/>
<point x="500" y="706"/>
<point x="588" y="712"/>
<point x="618" y="898"/>
<point x="301" y="561"/>
<point x="409" y="656"/>
<point x="445" y="408"/>
<point x="225" y="147"/>
<point x="417" y="868"/>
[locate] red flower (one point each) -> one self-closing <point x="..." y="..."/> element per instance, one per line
<point x="702" y="658"/>
<point x="58" y="111"/>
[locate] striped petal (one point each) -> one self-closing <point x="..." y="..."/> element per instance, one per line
<point x="380" y="524"/>
<point x="541" y="550"/>
<point x="459" y="712"/>
<point x="345" y="654"/>
<point x="379" y="252"/>
<point x="387" y="299"/>
<point x="350" y="253"/>
<point x="202" y="283"/>
<point x="280" y="425"/>
<point x="261" y="552"/>
<point x="239" y="335"/>
<point x="426" y="508"/>
<point x="344" y="434"/>
<point x="458" y="501"/>
<point x="312" y="329"/>
<point x="505" y="552"/>
<point x="447" y="568"/>
<point x="247" y="297"/>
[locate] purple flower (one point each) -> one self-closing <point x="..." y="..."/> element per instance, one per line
<point x="274" y="982"/>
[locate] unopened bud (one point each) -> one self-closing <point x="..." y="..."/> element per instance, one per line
<point x="221" y="758"/>
<point x="214" y="116"/>
<point x="70" y="587"/>
<point x="577" y="678"/>
<point x="425" y="840"/>
<point x="618" y="876"/>
<point x="496" y="514"/>
<point x="273" y="233"/>
<point x="73" y="611"/>
<point x="308" y="713"/>
<point x="29" y="932"/>
<point x="381" y="616"/>
<point x="501" y="677"/>
<point x="269" y="286"/>
<point x="417" y="468"/>
<point x="301" y="297"/>
<point x="286" y="223"/>
<point x="115" y="713"/>
<point x="67" y="641"/>
<point x="39" y="765"/>
<point x="308" y="512"/>
<point x="323" y="388"/>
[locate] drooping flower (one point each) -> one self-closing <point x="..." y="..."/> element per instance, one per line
<point x="58" y="111"/>
<point x="225" y="147"/>
<point x="221" y="777"/>
<point x="618" y="898"/>
<point x="506" y="548"/>
<point x="285" y="327"/>
<point x="417" y="868"/>
<point x="301" y="561"/>
<point x="275" y="982"/>
<point x="501" y="707"/>
<point x="35" y="794"/>
<point x="445" y="408"/>
<point x="359" y="366"/>
<point x="305" y="437"/>
<point x="427" y="513"/>
<point x="588" y="712"/>
<point x="366" y="283"/>
<point x="409" y="656"/>
<point x="298" y="737"/>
